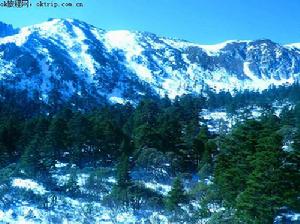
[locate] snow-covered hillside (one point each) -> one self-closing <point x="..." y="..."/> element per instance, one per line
<point x="26" y="200"/>
<point x="70" y="59"/>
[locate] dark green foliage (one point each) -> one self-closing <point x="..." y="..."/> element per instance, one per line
<point x="176" y="196"/>
<point x="141" y="197"/>
<point x="5" y="175"/>
<point x="4" y="156"/>
<point x="245" y="98"/>
<point x="251" y="173"/>
<point x="126" y="192"/>
<point x="56" y="137"/>
<point x="106" y="135"/>
<point x="31" y="159"/>
<point x="103" y="134"/>
<point x="78" y="137"/>
<point x="169" y="130"/>
<point x="254" y="174"/>
<point x="72" y="186"/>
<point x="123" y="177"/>
<point x="236" y="148"/>
<point x="96" y="181"/>
<point x="9" y="135"/>
<point x="121" y="191"/>
<point x="150" y="158"/>
<point x="202" y="148"/>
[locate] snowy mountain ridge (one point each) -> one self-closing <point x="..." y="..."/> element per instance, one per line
<point x="66" y="59"/>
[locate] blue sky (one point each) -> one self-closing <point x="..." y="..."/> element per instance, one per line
<point x="202" y="21"/>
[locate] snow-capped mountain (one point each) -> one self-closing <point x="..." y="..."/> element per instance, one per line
<point x="67" y="59"/>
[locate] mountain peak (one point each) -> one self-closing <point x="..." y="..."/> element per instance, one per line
<point x="6" y="29"/>
<point x="77" y="60"/>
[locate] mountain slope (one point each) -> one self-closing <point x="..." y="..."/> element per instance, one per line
<point x="69" y="60"/>
<point x="7" y="30"/>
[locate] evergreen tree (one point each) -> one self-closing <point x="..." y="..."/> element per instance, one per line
<point x="199" y="145"/>
<point x="126" y="146"/>
<point x="72" y="184"/>
<point x="233" y="165"/>
<point x="123" y="177"/>
<point x="78" y="137"/>
<point x="121" y="191"/>
<point x="4" y="156"/>
<point x="253" y="172"/>
<point x="169" y="131"/>
<point x="263" y="194"/>
<point x="106" y="137"/>
<point x="56" y="138"/>
<point x="41" y="127"/>
<point x="31" y="160"/>
<point x="10" y="133"/>
<point x="176" y="196"/>
<point x="145" y="124"/>
<point x="28" y="132"/>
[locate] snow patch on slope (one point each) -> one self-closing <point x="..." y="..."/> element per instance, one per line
<point x="127" y="41"/>
<point x="248" y="72"/>
<point x="214" y="49"/>
<point x="19" y="39"/>
<point x="209" y="49"/>
<point x="264" y="83"/>
<point x="123" y="39"/>
<point x="85" y="59"/>
<point x="158" y="187"/>
<point x="28" y="185"/>
<point x="116" y="96"/>
<point x="293" y="45"/>
<point x="177" y="43"/>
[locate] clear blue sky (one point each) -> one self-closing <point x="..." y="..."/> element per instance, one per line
<point x="202" y="21"/>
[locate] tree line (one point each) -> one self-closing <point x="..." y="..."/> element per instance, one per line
<point x="254" y="168"/>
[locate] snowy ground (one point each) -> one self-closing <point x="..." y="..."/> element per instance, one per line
<point x="219" y="120"/>
<point x="46" y="206"/>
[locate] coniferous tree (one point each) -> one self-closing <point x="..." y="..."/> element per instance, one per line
<point x="4" y="156"/>
<point x="121" y="191"/>
<point x="123" y="177"/>
<point x="264" y="188"/>
<point x="169" y="131"/>
<point x="72" y="184"/>
<point x="199" y="145"/>
<point x="78" y="137"/>
<point x="55" y="141"/>
<point x="10" y="132"/>
<point x="31" y="160"/>
<point x="253" y="172"/>
<point x="176" y="196"/>
<point x="145" y="124"/>
<point x="106" y="136"/>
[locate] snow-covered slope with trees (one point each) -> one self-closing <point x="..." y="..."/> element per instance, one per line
<point x="69" y="60"/>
